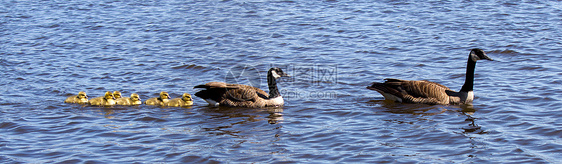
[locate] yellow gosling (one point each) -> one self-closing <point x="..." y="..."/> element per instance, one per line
<point x="185" y="100"/>
<point x="116" y="94"/>
<point x="164" y="98"/>
<point x="133" y="100"/>
<point x="106" y="100"/>
<point x="81" y="98"/>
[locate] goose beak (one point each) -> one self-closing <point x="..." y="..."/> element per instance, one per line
<point x="487" y="57"/>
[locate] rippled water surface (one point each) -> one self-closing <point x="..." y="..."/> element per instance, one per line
<point x="332" y="49"/>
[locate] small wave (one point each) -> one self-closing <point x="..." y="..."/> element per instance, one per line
<point x="504" y="52"/>
<point x="149" y="119"/>
<point x="189" y="66"/>
<point x="8" y="125"/>
<point x="5" y="63"/>
<point x="535" y="68"/>
<point x="511" y="52"/>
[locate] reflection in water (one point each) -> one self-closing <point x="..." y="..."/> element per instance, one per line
<point x="472" y="126"/>
<point x="275" y="115"/>
<point x="187" y="107"/>
<point x="404" y="108"/>
<point x="468" y="110"/>
<point x="228" y="114"/>
<point x="427" y="110"/>
<point x="107" y="113"/>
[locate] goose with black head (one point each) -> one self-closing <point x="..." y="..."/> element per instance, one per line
<point x="427" y="92"/>
<point x="239" y="95"/>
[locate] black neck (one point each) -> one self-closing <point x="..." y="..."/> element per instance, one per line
<point x="469" y="81"/>
<point x="272" y="83"/>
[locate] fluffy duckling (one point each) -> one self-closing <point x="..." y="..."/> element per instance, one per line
<point x="133" y="100"/>
<point x="81" y="98"/>
<point x="105" y="100"/>
<point x="185" y="100"/>
<point x="116" y="94"/>
<point x="164" y="98"/>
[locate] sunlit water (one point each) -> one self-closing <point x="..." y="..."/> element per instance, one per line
<point x="332" y="49"/>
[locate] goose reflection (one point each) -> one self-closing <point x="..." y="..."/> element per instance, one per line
<point x="428" y="110"/>
<point x="415" y="109"/>
<point x="232" y="121"/>
<point x="472" y="127"/>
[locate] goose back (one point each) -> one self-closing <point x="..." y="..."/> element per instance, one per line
<point x="409" y="91"/>
<point x="233" y="95"/>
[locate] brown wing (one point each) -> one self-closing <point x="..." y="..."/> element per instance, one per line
<point x="232" y="94"/>
<point x="218" y="85"/>
<point x="423" y="88"/>
<point x="423" y="91"/>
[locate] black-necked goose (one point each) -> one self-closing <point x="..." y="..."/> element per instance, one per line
<point x="238" y="95"/>
<point x="426" y="92"/>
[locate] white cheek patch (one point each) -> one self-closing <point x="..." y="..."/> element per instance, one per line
<point x="474" y="57"/>
<point x="275" y="75"/>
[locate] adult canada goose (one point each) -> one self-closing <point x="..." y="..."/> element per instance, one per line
<point x="105" y="100"/>
<point x="185" y="100"/>
<point x="116" y="94"/>
<point x="161" y="100"/>
<point x="133" y="100"/>
<point x="426" y="92"/>
<point x="81" y="98"/>
<point x="238" y="95"/>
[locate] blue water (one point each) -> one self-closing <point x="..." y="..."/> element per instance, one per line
<point x="50" y="50"/>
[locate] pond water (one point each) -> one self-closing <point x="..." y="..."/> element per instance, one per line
<point x="332" y="49"/>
